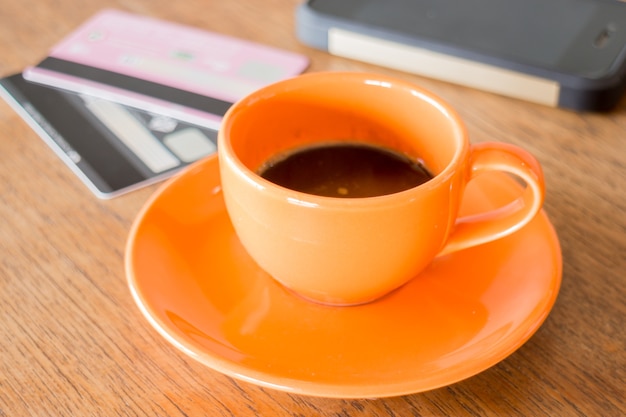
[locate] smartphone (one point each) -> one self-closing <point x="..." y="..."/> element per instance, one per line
<point x="561" y="53"/>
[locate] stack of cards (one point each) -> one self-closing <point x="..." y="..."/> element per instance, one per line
<point x="127" y="100"/>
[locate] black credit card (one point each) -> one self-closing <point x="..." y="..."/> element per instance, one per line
<point x="113" y="148"/>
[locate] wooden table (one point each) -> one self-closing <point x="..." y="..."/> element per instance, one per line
<point x="73" y="342"/>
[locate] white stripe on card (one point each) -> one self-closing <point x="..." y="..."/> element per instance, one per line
<point x="133" y="134"/>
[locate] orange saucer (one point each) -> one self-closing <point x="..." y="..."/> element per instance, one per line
<point x="201" y="291"/>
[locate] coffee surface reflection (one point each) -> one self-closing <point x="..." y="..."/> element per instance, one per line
<point x="345" y="170"/>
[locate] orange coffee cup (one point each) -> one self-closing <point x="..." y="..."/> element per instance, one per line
<point x="346" y="251"/>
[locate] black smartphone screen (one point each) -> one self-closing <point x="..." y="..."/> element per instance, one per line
<point x="580" y="37"/>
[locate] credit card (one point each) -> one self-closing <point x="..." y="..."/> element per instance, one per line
<point x="111" y="147"/>
<point x="163" y="67"/>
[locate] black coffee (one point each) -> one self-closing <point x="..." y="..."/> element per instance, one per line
<point x="346" y="170"/>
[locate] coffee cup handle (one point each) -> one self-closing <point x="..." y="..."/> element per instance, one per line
<point x="491" y="225"/>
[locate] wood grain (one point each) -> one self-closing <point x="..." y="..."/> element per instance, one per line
<point x="73" y="343"/>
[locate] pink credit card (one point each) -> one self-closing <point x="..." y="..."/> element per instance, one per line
<point x="161" y="66"/>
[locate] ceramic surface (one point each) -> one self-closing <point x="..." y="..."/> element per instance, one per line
<point x="468" y="310"/>
<point x="347" y="251"/>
